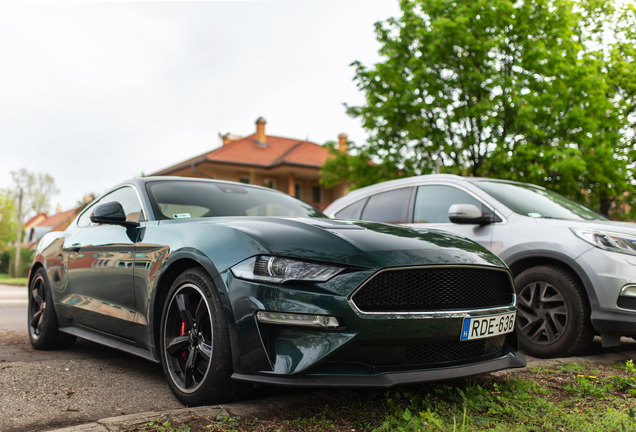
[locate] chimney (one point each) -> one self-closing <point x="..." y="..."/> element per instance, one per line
<point x="58" y="209"/>
<point x="342" y="142"/>
<point x="228" y="138"/>
<point x="260" y="131"/>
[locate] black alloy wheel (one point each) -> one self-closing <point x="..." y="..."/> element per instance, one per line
<point x="43" y="325"/>
<point x="188" y="336"/>
<point x="37" y="306"/>
<point x="553" y="314"/>
<point x="195" y="343"/>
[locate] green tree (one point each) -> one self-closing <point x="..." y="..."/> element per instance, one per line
<point x="524" y="90"/>
<point x="7" y="220"/>
<point x="30" y="192"/>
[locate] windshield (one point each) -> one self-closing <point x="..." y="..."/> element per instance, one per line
<point x="190" y="199"/>
<point x="535" y="202"/>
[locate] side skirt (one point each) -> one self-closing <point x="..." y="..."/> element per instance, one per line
<point x="109" y="342"/>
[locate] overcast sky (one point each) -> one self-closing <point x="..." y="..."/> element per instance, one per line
<point x="95" y="93"/>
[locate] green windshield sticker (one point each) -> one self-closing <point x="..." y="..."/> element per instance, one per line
<point x="181" y="216"/>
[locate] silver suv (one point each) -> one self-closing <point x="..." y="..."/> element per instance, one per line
<point x="575" y="269"/>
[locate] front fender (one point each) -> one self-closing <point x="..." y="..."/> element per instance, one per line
<point x="515" y="258"/>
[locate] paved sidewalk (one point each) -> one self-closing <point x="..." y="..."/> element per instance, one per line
<point x="10" y="294"/>
<point x="13" y="308"/>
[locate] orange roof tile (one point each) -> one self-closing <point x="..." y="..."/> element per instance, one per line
<point x="248" y="151"/>
<point x="277" y="151"/>
<point x="59" y="220"/>
<point x="34" y="219"/>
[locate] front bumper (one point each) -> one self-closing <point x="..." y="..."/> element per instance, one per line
<point x="367" y="350"/>
<point x="512" y="359"/>
<point x="609" y="272"/>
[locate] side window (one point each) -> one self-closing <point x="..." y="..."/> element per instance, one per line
<point x="352" y="211"/>
<point x="433" y="202"/>
<point x="85" y="218"/>
<point x="388" y="207"/>
<point x="125" y="196"/>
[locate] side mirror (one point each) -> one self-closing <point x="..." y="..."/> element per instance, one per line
<point x="111" y="213"/>
<point x="468" y="214"/>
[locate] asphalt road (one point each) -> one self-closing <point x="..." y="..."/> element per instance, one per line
<point x="42" y="390"/>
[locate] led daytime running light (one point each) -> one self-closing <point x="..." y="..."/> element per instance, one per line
<point x="304" y="320"/>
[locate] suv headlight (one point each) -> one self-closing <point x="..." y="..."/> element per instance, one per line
<point x="279" y="270"/>
<point x="611" y="241"/>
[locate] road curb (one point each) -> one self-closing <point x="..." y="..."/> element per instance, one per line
<point x="259" y="408"/>
<point x="249" y="409"/>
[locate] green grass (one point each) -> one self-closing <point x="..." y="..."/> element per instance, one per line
<point x="533" y="399"/>
<point x="5" y="279"/>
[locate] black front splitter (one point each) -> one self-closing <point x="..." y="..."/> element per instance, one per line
<point x="390" y="379"/>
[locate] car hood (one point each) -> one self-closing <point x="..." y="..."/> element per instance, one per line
<point x="361" y="243"/>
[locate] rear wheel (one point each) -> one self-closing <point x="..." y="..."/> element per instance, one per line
<point x="553" y="314"/>
<point x="195" y="344"/>
<point x="43" y="326"/>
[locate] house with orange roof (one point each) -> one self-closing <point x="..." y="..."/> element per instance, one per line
<point x="285" y="164"/>
<point x="42" y="223"/>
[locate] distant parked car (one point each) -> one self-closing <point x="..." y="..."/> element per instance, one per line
<point x="229" y="285"/>
<point x="575" y="269"/>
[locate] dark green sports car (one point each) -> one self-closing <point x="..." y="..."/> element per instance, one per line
<point x="228" y="285"/>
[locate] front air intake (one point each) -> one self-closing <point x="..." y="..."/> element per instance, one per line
<point x="434" y="289"/>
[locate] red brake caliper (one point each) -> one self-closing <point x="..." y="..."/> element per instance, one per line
<point x="183" y="330"/>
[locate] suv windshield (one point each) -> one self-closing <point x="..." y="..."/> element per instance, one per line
<point x="536" y="202"/>
<point x="193" y="199"/>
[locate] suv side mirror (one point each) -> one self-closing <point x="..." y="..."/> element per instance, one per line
<point x="111" y="213"/>
<point x="468" y="214"/>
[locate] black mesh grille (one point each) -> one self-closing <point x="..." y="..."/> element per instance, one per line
<point x="430" y="289"/>
<point x="626" y="303"/>
<point x="416" y="355"/>
<point x="442" y="353"/>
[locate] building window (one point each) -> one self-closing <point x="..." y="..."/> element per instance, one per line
<point x="244" y="179"/>
<point x="269" y="183"/>
<point x="298" y="190"/>
<point x="317" y="194"/>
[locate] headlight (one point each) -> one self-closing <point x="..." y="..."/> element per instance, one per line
<point x="279" y="270"/>
<point x="611" y="241"/>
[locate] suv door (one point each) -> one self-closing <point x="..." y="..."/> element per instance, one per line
<point x="430" y="210"/>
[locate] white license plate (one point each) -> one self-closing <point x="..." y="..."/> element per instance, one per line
<point x="487" y="326"/>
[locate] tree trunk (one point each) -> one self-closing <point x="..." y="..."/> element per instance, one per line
<point x="606" y="203"/>
<point x="18" y="242"/>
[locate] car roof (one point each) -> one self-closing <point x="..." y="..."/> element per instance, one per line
<point x="427" y="178"/>
<point x="140" y="182"/>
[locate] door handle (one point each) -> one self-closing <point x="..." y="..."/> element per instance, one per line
<point x="75" y="247"/>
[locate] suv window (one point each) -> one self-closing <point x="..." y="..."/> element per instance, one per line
<point x="352" y="211"/>
<point x="433" y="202"/>
<point x="388" y="207"/>
<point x="125" y="196"/>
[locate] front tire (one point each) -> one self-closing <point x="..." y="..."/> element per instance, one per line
<point x="553" y="313"/>
<point x="195" y="343"/>
<point x="43" y="325"/>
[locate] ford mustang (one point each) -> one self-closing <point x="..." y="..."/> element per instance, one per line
<point x="229" y="285"/>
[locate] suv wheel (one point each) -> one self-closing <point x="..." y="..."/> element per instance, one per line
<point x="553" y="313"/>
